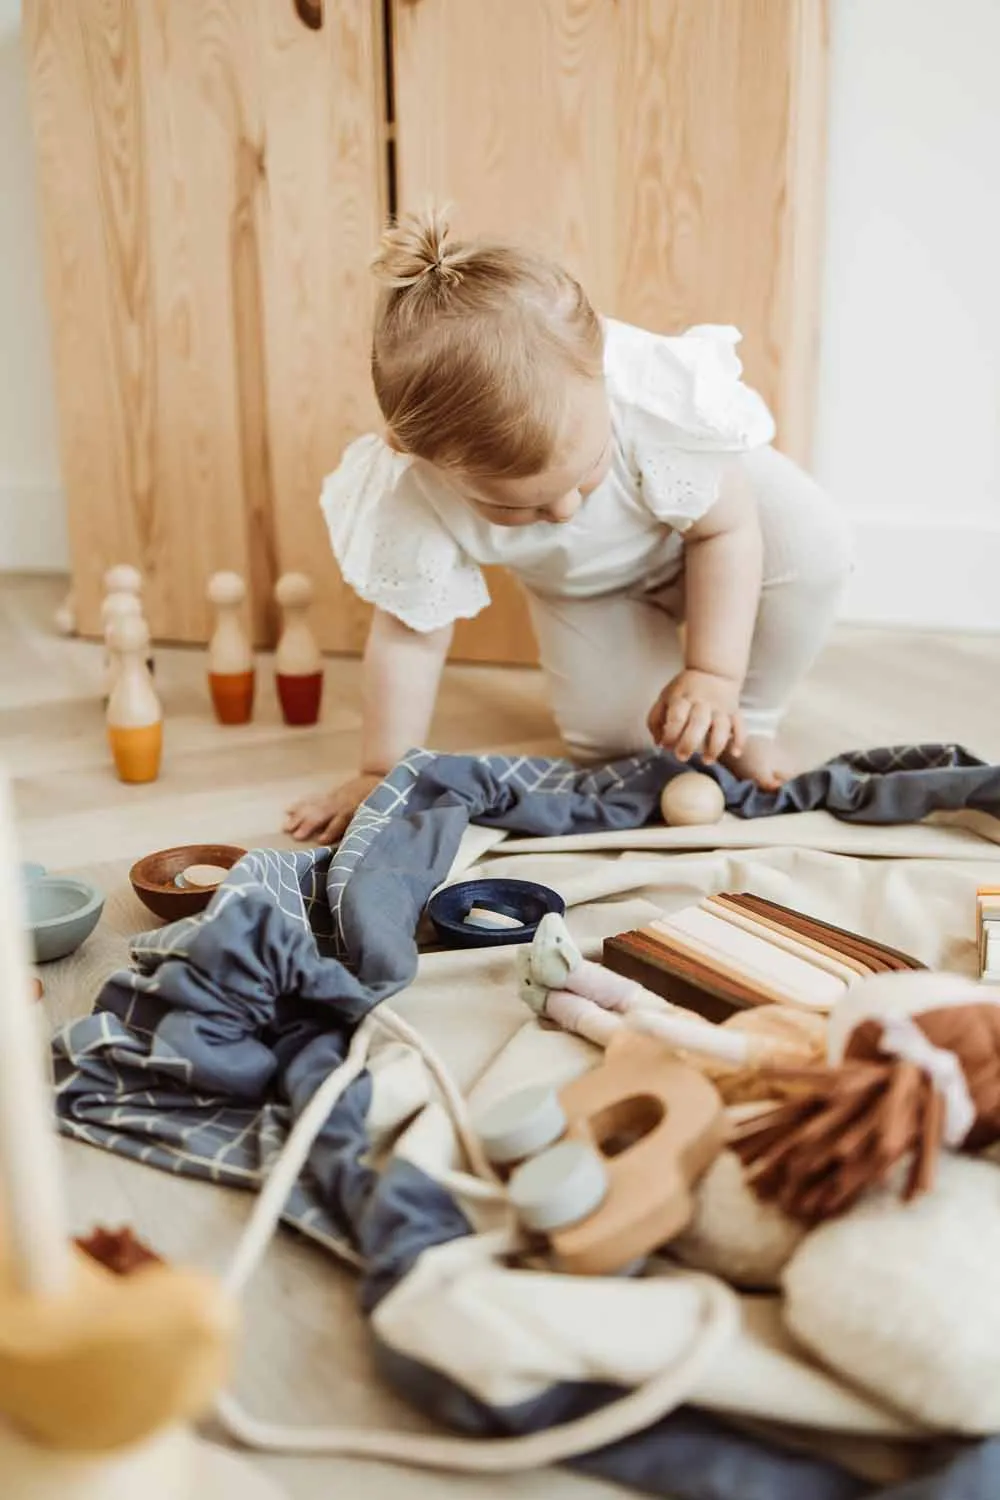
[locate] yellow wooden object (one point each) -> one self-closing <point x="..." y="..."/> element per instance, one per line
<point x="137" y="752"/>
<point x="114" y="1359"/>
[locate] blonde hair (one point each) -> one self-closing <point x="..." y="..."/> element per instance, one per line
<point x="473" y="347"/>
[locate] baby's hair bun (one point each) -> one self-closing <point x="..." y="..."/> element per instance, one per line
<point x="418" y="247"/>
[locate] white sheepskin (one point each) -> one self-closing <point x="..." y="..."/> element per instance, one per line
<point x="733" y="1234"/>
<point x="904" y="1299"/>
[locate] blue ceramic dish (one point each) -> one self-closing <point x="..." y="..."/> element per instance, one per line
<point x="62" y="913"/>
<point x="522" y="899"/>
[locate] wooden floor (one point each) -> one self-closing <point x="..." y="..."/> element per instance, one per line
<point x="231" y="785"/>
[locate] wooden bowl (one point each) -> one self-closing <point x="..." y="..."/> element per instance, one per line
<point x="154" y="878"/>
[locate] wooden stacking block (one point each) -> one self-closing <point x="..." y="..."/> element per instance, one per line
<point x="733" y="951"/>
<point x="988" y="931"/>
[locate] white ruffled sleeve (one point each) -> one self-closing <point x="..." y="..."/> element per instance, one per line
<point x="684" y="413"/>
<point x="391" y="548"/>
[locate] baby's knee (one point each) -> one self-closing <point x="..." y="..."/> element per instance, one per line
<point x="824" y="550"/>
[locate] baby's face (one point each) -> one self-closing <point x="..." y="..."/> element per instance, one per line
<point x="582" y="460"/>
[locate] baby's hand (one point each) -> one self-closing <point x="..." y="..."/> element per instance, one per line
<point x="324" y="816"/>
<point x="698" y="711"/>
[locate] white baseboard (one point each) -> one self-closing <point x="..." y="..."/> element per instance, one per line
<point x="932" y="575"/>
<point x="33" y="536"/>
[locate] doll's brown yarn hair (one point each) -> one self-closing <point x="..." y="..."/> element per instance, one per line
<point x="474" y="346"/>
<point x="840" y="1131"/>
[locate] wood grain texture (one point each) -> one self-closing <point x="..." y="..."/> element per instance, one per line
<point x="213" y="179"/>
<point x="203" y="118"/>
<point x="798" y="300"/>
<point x="95" y="440"/>
<point x="213" y="183"/>
<point x="720" y="174"/>
<point x="509" y="113"/>
<point x="511" y="122"/>
<point x="324" y="206"/>
<point x="670" y="152"/>
<point x="136" y="149"/>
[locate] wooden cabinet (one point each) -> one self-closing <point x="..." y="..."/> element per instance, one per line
<point x="213" y="181"/>
<point x="214" y="175"/>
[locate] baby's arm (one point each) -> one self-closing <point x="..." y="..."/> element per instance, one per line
<point x="699" y="709"/>
<point x="401" y="673"/>
<point x="399" y="683"/>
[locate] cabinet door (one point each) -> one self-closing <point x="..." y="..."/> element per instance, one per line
<point x="212" y="181"/>
<point x="145" y="119"/>
<point x="670" y="152"/>
<point x="322" y="71"/>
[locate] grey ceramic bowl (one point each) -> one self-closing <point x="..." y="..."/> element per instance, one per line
<point x="62" y="912"/>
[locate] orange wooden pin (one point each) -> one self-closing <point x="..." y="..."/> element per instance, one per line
<point x="134" y="715"/>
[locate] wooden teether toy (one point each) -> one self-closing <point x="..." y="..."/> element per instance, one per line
<point x="637" y="1131"/>
<point x="106" y="1353"/>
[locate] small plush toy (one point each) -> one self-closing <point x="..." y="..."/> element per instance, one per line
<point x="914" y="1067"/>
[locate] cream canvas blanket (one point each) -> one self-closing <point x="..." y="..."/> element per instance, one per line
<point x="504" y="1340"/>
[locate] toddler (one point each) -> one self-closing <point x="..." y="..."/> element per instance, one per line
<point x="626" y="478"/>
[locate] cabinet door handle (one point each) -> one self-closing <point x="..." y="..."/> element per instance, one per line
<point x="310" y="13"/>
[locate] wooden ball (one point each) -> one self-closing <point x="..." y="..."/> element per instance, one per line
<point x="691" y="800"/>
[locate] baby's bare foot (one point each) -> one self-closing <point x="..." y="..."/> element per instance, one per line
<point x="762" y="761"/>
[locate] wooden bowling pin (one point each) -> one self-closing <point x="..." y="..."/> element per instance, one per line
<point x="230" y="655"/>
<point x="123" y="579"/>
<point x="115" y="607"/>
<point x="134" y="716"/>
<point x="298" y="665"/>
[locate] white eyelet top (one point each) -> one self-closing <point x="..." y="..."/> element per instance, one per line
<point x="408" y="542"/>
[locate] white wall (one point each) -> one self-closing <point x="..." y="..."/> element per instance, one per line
<point x="909" y="399"/>
<point x="32" y="520"/>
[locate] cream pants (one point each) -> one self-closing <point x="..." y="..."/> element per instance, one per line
<point x="607" y="659"/>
